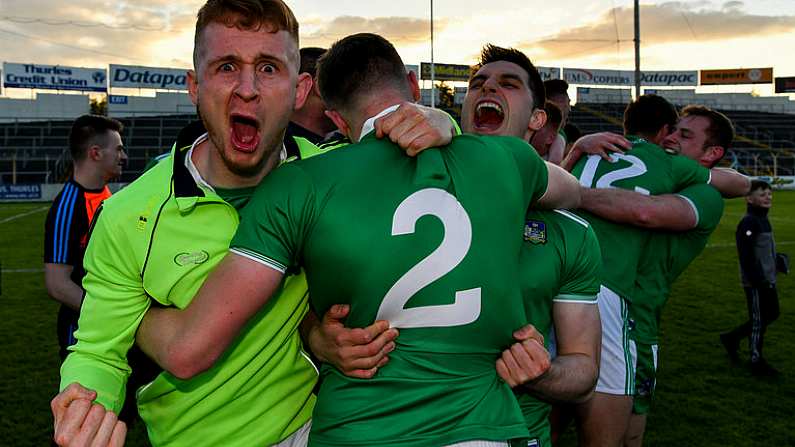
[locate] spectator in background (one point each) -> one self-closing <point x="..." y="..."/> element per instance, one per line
<point x="543" y="138"/>
<point x="98" y="155"/>
<point x="757" y="252"/>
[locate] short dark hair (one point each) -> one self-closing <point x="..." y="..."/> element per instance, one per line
<point x="492" y="53"/>
<point x="309" y="57"/>
<point x="357" y="65"/>
<point x="556" y="87"/>
<point x="758" y="184"/>
<point x="573" y="133"/>
<point x="272" y="15"/>
<point x="720" y="131"/>
<point x="646" y="115"/>
<point x="87" y="130"/>
<point x="554" y="115"/>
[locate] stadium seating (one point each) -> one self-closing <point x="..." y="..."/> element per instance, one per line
<point x="37" y="151"/>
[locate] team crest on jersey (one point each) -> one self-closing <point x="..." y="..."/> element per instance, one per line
<point x="535" y="231"/>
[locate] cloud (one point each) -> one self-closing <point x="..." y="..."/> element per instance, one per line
<point x="401" y="31"/>
<point x="671" y="22"/>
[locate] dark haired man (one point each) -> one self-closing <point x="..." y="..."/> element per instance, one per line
<point x="543" y="139"/>
<point x="648" y="169"/>
<point x="558" y="94"/>
<point x="309" y="122"/>
<point x="756" y="249"/>
<point x="684" y="222"/>
<point x="98" y="156"/>
<point x="336" y="225"/>
<point x="560" y="257"/>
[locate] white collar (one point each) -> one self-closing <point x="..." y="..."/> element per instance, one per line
<point x="369" y="125"/>
<point x="194" y="172"/>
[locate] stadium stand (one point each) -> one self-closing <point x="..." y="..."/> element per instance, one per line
<point x="37" y="152"/>
<point x="34" y="149"/>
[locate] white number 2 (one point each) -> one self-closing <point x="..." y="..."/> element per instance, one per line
<point x="453" y="249"/>
<point x="636" y="168"/>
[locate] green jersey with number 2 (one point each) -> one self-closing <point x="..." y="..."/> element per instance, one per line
<point x="647" y="169"/>
<point x="429" y="243"/>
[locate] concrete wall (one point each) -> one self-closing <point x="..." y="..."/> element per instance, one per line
<point x="603" y="95"/>
<point x="729" y="101"/>
<point x="163" y="103"/>
<point x="46" y="106"/>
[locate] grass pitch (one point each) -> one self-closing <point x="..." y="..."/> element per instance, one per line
<point x="701" y="400"/>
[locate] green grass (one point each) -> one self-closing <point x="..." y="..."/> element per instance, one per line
<point x="701" y="399"/>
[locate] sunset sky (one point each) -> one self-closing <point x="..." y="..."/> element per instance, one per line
<point x="676" y="35"/>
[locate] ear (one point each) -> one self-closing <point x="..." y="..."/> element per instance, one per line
<point x="414" y="84"/>
<point x="193" y="87"/>
<point x="339" y="121"/>
<point x="713" y="153"/>
<point x="94" y="153"/>
<point x="302" y="89"/>
<point x="538" y="117"/>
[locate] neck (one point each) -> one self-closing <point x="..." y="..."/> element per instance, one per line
<point x="757" y="210"/>
<point x="89" y="178"/>
<point x="372" y="106"/>
<point x="314" y="121"/>
<point x="214" y="170"/>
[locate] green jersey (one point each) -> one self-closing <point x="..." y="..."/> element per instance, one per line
<point x="560" y="262"/>
<point x="426" y="243"/>
<point x="648" y="169"/>
<point x="667" y="256"/>
<point x="155" y="242"/>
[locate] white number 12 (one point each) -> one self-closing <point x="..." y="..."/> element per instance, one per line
<point x="453" y="249"/>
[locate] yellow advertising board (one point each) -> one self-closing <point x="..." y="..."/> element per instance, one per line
<point x="737" y="76"/>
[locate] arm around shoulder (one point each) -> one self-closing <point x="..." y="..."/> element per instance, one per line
<point x="563" y="189"/>
<point x="729" y="182"/>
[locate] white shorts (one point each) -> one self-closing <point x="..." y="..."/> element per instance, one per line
<point x="298" y="439"/>
<point x="478" y="443"/>
<point x="617" y="363"/>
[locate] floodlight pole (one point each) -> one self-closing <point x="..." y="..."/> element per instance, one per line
<point x="433" y="74"/>
<point x="637" y="49"/>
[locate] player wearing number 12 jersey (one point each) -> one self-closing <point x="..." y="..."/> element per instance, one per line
<point x="646" y="168"/>
<point x="434" y="251"/>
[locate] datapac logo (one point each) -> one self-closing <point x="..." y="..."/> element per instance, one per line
<point x="99" y="77"/>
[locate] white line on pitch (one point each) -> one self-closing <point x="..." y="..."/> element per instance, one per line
<point x="28" y="213"/>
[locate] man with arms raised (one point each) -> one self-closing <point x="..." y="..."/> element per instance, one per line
<point x="684" y="222"/>
<point x="560" y="257"/>
<point x="440" y="266"/>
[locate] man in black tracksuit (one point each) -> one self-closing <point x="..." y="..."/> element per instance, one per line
<point x="757" y="252"/>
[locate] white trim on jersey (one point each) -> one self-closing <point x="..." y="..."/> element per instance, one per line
<point x="692" y="205"/>
<point x="573" y="217"/>
<point x="256" y="257"/>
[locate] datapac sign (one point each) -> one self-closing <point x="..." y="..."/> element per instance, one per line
<point x="54" y="77"/>
<point x="20" y="192"/>
<point x="627" y="77"/>
<point x="133" y="76"/>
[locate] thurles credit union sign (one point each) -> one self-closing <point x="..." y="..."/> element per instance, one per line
<point x="133" y="76"/>
<point x="54" y="77"/>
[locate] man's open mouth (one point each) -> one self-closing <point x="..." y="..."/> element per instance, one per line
<point x="488" y="116"/>
<point x="245" y="133"/>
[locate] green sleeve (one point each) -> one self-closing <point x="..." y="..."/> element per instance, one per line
<point x="707" y="204"/>
<point x="114" y="305"/>
<point x="580" y="280"/>
<point x="274" y="223"/>
<point x="532" y="167"/>
<point x="686" y="172"/>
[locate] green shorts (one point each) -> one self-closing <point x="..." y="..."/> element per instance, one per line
<point x="645" y="377"/>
